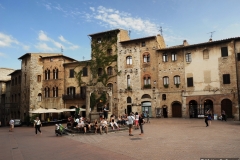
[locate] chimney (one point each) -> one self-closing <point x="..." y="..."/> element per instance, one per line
<point x="185" y="43"/>
<point x="210" y="40"/>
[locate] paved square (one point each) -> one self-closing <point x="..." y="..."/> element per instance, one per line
<point x="169" y="138"/>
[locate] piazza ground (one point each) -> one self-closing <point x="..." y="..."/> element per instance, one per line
<point x="167" y="139"/>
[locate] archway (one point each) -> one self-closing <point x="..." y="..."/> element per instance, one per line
<point x="193" y="109"/>
<point x="226" y="105"/>
<point x="208" y="105"/>
<point x="176" y="109"/>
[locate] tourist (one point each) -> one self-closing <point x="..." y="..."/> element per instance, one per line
<point x="112" y="122"/>
<point x="206" y="118"/>
<point x="224" y="115"/>
<point x="105" y="112"/>
<point x="103" y="125"/>
<point x="130" y="120"/>
<point x="11" y="123"/>
<point x="136" y="120"/>
<point x="141" y="123"/>
<point x="37" y="125"/>
<point x="81" y="125"/>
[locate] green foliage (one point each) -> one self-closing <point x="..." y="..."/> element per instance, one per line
<point x="33" y="117"/>
<point x="147" y="86"/>
<point x="101" y="59"/>
<point x="177" y="85"/>
<point x="165" y="85"/>
<point x="94" y="100"/>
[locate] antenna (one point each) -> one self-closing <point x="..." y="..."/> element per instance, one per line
<point x="61" y="49"/>
<point x="129" y="32"/>
<point x="160" y="30"/>
<point x="211" y="34"/>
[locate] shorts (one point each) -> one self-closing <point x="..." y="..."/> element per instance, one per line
<point x="11" y="126"/>
<point x="136" y="122"/>
<point x="130" y="125"/>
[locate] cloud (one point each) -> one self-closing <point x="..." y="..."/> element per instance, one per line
<point x="44" y="47"/>
<point x="7" y="40"/>
<point x="49" y="44"/>
<point x="48" y="6"/>
<point x="115" y="19"/>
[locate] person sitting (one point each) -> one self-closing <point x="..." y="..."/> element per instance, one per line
<point x="88" y="124"/>
<point x="81" y="125"/>
<point x="96" y="125"/>
<point x="103" y="125"/>
<point x="112" y="122"/>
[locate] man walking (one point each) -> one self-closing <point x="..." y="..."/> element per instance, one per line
<point x="224" y="115"/>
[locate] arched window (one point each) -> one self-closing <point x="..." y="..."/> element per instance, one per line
<point x="174" y="56"/>
<point x="39" y="97"/>
<point x="129" y="100"/>
<point x="165" y="57"/>
<point x="128" y="80"/>
<point x="147" y="81"/>
<point x="176" y="79"/>
<point x="47" y="74"/>
<point x="165" y="80"/>
<point x="129" y="60"/>
<point x="110" y="70"/>
<point x="164" y="97"/>
<point x="110" y="85"/>
<point x="85" y="71"/>
<point x="55" y="91"/>
<point x="146" y="57"/>
<point x="55" y="73"/>
<point x="47" y="92"/>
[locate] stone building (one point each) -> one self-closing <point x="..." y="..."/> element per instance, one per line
<point x="32" y="82"/>
<point x="137" y="84"/>
<point x="207" y="74"/>
<point x="5" y="95"/>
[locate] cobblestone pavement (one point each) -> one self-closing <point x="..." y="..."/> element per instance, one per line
<point x="169" y="139"/>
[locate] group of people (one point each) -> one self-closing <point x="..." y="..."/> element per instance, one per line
<point x="208" y="117"/>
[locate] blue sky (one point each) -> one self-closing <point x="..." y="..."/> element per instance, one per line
<point x="29" y="26"/>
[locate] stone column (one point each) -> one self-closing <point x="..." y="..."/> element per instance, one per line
<point x="110" y="100"/>
<point x="88" y="93"/>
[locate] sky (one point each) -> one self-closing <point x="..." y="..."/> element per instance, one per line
<point x="55" y="26"/>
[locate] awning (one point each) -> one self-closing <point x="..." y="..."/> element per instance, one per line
<point x="43" y="110"/>
<point x="71" y="110"/>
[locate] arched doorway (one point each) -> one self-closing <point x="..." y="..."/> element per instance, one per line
<point x="226" y="105"/>
<point x="165" y="111"/>
<point x="176" y="109"/>
<point x="146" y="107"/>
<point x="208" y="105"/>
<point x="193" y="109"/>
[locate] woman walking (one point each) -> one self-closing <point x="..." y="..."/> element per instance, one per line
<point x="37" y="125"/>
<point x="141" y="122"/>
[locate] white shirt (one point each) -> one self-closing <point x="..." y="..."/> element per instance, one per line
<point x="11" y="122"/>
<point x="37" y="122"/>
<point x="137" y="117"/>
<point x="130" y="119"/>
<point x="77" y="120"/>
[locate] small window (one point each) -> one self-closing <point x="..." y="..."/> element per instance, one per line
<point x="71" y="73"/>
<point x="165" y="80"/>
<point x="39" y="78"/>
<point x="55" y="91"/>
<point x="129" y="100"/>
<point x="110" y="85"/>
<point x="39" y="97"/>
<point x="238" y="56"/>
<point x="143" y="44"/>
<point x="71" y="91"/>
<point x="110" y="70"/>
<point x="129" y="60"/>
<point x="226" y="78"/>
<point x="224" y="51"/>
<point x="176" y="79"/>
<point x="174" y="56"/>
<point x="165" y="57"/>
<point x="55" y="73"/>
<point x="190" y="82"/>
<point x="188" y="57"/>
<point x="205" y="54"/>
<point x="47" y="74"/>
<point x="164" y="97"/>
<point x="128" y="81"/>
<point x="85" y="71"/>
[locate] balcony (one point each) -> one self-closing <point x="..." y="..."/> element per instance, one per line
<point x="73" y="96"/>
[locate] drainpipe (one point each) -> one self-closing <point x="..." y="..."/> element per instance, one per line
<point x="236" y="60"/>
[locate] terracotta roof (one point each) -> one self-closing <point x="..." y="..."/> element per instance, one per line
<point x="103" y="32"/>
<point x="137" y="39"/>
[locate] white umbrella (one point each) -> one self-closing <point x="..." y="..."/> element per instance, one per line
<point x="71" y="110"/>
<point x="41" y="110"/>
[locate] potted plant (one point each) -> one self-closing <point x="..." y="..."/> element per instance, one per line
<point x="177" y="85"/>
<point x="165" y="85"/>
